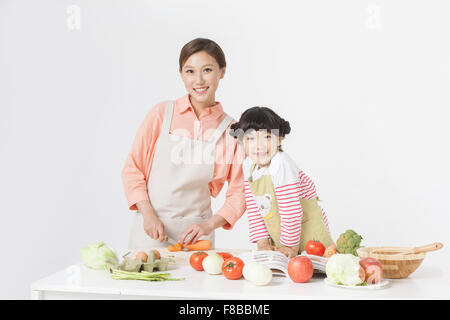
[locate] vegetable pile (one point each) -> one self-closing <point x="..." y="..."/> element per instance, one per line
<point x="346" y="269"/>
<point x="343" y="267"/>
<point x="233" y="268"/>
<point x="99" y="256"/>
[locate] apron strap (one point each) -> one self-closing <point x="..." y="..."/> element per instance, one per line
<point x="252" y="168"/>
<point x="220" y="129"/>
<point x="168" y="112"/>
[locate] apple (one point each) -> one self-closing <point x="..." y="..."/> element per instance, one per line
<point x="362" y="274"/>
<point x="300" y="269"/>
<point x="373" y="269"/>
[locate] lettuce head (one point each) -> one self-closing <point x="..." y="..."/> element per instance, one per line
<point x="345" y="269"/>
<point x="98" y="255"/>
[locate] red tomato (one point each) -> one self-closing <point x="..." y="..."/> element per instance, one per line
<point x="196" y="260"/>
<point x="225" y="255"/>
<point x="315" y="247"/>
<point x="300" y="269"/>
<point x="232" y="268"/>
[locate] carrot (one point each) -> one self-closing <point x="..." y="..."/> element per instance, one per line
<point x="331" y="250"/>
<point x="175" y="247"/>
<point x="199" y="245"/>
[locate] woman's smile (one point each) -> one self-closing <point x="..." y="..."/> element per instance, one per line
<point x="201" y="90"/>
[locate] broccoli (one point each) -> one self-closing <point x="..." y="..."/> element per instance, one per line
<point x="348" y="242"/>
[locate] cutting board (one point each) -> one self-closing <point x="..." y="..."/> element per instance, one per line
<point x="182" y="257"/>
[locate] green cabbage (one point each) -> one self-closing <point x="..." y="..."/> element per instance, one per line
<point x="98" y="255"/>
<point x="344" y="269"/>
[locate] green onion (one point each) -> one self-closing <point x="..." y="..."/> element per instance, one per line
<point x="144" y="275"/>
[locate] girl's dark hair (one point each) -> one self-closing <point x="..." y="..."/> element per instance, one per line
<point x="202" y="44"/>
<point x="260" y="118"/>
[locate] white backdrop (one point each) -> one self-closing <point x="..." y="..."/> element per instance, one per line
<point x="364" y="84"/>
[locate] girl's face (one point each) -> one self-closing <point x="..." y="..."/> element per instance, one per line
<point x="260" y="146"/>
<point x="201" y="75"/>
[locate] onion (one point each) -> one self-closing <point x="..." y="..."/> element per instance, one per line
<point x="212" y="264"/>
<point x="257" y="273"/>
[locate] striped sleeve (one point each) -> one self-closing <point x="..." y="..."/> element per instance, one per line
<point x="291" y="214"/>
<point x="257" y="227"/>
<point x="308" y="191"/>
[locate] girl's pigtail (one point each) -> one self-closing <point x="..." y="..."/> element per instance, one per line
<point x="234" y="130"/>
<point x="285" y="127"/>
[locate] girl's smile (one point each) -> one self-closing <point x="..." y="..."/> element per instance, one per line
<point x="261" y="146"/>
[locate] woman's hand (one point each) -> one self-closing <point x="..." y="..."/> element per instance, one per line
<point x="193" y="232"/>
<point x="154" y="227"/>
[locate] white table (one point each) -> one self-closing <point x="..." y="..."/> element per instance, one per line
<point x="430" y="281"/>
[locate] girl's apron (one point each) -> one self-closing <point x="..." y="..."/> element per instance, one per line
<point x="313" y="226"/>
<point x="178" y="183"/>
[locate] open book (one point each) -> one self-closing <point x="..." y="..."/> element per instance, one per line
<point x="278" y="262"/>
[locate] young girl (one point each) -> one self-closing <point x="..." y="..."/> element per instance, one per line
<point x="282" y="208"/>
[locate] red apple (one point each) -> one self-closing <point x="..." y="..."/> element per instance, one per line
<point x="300" y="269"/>
<point x="373" y="269"/>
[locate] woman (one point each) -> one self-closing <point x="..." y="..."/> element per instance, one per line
<point x="181" y="156"/>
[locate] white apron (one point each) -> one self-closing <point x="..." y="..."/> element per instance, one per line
<point x="178" y="183"/>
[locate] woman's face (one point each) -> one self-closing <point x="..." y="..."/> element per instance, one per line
<point x="260" y="146"/>
<point x="201" y="75"/>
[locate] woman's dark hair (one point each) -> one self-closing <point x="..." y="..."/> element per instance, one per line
<point x="202" y="44"/>
<point x="260" y="118"/>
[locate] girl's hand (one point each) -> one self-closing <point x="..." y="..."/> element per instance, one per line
<point x="264" y="244"/>
<point x="289" y="252"/>
<point x="154" y="227"/>
<point x="192" y="233"/>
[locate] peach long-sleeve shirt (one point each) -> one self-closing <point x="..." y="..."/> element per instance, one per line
<point x="228" y="159"/>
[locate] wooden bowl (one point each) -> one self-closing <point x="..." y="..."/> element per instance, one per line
<point x="395" y="265"/>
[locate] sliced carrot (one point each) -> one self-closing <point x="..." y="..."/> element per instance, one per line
<point x="175" y="247"/>
<point x="199" y="245"/>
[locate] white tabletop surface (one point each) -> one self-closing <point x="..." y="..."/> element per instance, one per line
<point x="430" y="281"/>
